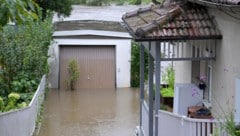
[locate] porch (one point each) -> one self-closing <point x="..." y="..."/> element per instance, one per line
<point x="174" y="32"/>
<point x="171" y="124"/>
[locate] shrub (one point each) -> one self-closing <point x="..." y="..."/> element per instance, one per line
<point x="1" y="104"/>
<point x="169" y="78"/>
<point x="23" y="56"/>
<point x="135" y="65"/>
<point x="73" y="72"/>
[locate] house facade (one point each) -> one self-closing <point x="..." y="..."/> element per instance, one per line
<point x="203" y="35"/>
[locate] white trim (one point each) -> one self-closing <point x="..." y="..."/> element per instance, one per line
<point x="92" y="32"/>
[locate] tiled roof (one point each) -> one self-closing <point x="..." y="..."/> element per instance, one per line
<point x="224" y="2"/>
<point x="171" y="22"/>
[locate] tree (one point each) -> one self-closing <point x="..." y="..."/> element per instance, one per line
<point x="16" y="11"/>
<point x="62" y="7"/>
<point x="155" y="2"/>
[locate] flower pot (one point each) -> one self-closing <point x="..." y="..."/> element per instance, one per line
<point x="202" y="86"/>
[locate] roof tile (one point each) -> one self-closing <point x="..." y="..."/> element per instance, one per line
<point x="172" y="22"/>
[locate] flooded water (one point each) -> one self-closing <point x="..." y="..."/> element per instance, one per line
<point x="91" y="113"/>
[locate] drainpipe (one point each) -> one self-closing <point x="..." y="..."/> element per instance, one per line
<point x="157" y="82"/>
<point x="141" y="81"/>
<point x="150" y="79"/>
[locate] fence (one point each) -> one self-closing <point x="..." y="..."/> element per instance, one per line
<point x="175" y="125"/>
<point x="22" y="122"/>
<point x="145" y="119"/>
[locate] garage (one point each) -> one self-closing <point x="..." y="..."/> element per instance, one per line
<point x="102" y="49"/>
<point x="97" y="66"/>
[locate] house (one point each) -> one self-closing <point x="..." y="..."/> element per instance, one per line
<point x="101" y="46"/>
<point x="204" y="38"/>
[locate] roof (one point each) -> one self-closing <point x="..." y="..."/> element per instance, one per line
<point x="222" y="2"/>
<point x="171" y="22"/>
<point x="89" y="25"/>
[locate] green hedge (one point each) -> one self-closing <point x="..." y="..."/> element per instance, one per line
<point x="23" y="56"/>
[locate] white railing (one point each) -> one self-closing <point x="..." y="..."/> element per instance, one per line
<point x="21" y="122"/>
<point x="145" y="119"/>
<point x="175" y="125"/>
<point x="182" y="50"/>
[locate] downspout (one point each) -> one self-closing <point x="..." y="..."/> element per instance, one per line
<point x="142" y="62"/>
<point x="157" y="82"/>
<point x="150" y="79"/>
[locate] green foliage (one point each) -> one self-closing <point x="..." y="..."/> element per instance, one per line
<point x="163" y="107"/>
<point x="62" y="7"/>
<point x="26" y="97"/>
<point x="73" y="72"/>
<point x="167" y="92"/>
<point x="17" y="11"/>
<point x="12" y="101"/>
<point x="23" y="56"/>
<point x="169" y="78"/>
<point x="231" y="127"/>
<point x="135" y="2"/>
<point x="135" y="65"/>
<point x="1" y="104"/>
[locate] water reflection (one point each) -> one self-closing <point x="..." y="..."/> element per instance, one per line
<point x="91" y="113"/>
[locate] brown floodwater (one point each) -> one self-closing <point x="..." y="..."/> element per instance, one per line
<point x="99" y="112"/>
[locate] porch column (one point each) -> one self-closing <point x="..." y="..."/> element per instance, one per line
<point x="157" y="83"/>
<point x="142" y="62"/>
<point x="150" y="79"/>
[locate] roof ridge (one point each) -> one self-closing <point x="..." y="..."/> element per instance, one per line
<point x="165" y="18"/>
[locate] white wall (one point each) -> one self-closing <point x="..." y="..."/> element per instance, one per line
<point x="123" y="56"/>
<point x="22" y="122"/>
<point x="183" y="69"/>
<point x="226" y="68"/>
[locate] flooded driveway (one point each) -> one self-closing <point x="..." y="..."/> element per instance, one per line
<point x="91" y="113"/>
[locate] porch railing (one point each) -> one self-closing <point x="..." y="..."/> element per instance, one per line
<point x="145" y="119"/>
<point x="175" y="125"/>
<point x="188" y="50"/>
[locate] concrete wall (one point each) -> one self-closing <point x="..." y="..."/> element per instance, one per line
<point x="123" y="57"/>
<point x="226" y="68"/>
<point x="22" y="122"/>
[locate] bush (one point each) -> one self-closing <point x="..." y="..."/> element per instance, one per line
<point x="23" y="56"/>
<point x="135" y="65"/>
<point x="73" y="72"/>
<point x="169" y="78"/>
<point x="1" y="104"/>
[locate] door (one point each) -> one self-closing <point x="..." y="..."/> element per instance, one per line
<point x="96" y="65"/>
